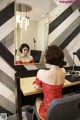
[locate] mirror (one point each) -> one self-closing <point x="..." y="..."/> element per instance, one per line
<point x="32" y="19"/>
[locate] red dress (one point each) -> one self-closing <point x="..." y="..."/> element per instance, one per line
<point x="20" y="62"/>
<point x="24" y="60"/>
<point x="50" y="92"/>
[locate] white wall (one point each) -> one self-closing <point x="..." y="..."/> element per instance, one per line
<point x="29" y="34"/>
<point x="41" y="34"/>
<point x="35" y="30"/>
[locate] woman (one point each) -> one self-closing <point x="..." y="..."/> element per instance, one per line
<point x="24" y="58"/>
<point x="51" y="81"/>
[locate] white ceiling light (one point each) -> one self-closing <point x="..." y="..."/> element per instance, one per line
<point x="23" y="8"/>
<point x="42" y="15"/>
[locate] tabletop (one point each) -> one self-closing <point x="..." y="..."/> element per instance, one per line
<point x="27" y="88"/>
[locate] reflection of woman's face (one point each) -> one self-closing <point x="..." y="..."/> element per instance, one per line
<point x="25" y="51"/>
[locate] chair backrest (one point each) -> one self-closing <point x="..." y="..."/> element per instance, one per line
<point x="36" y="55"/>
<point x="67" y="108"/>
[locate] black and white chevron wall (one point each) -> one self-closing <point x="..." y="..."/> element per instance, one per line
<point x="64" y="31"/>
<point x="7" y="67"/>
<point x="7" y="83"/>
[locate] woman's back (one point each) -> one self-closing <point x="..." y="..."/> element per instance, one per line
<point x="54" y="76"/>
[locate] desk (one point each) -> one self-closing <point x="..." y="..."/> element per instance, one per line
<point x="27" y="88"/>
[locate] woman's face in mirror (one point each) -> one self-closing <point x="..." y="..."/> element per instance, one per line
<point x="25" y="51"/>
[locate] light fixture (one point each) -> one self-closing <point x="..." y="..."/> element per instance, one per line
<point x="23" y="8"/>
<point x="18" y="17"/>
<point x="26" y="22"/>
<point x="26" y="17"/>
<point x="42" y="15"/>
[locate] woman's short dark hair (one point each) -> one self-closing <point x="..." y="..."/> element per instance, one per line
<point x="54" y="55"/>
<point x="22" y="46"/>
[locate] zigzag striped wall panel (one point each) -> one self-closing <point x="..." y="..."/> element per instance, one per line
<point x="7" y="67"/>
<point x="64" y="31"/>
<point x="7" y="82"/>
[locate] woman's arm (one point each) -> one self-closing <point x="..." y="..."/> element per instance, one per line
<point x="37" y="83"/>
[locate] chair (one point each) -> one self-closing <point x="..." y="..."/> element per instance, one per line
<point x="67" y="108"/>
<point x="36" y="55"/>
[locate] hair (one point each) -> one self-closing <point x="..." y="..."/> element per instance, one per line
<point x="22" y="46"/>
<point x="54" y="55"/>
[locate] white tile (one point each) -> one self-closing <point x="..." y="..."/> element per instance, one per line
<point x="4" y="91"/>
<point x="7" y="27"/>
<point x="6" y="68"/>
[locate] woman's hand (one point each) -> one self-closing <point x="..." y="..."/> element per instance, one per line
<point x="37" y="86"/>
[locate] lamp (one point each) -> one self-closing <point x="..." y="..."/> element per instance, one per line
<point x="18" y="17"/>
<point x="72" y="72"/>
<point x="21" y="7"/>
<point x="78" y="55"/>
<point x="26" y="18"/>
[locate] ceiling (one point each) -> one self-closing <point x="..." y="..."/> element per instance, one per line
<point x="40" y="8"/>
